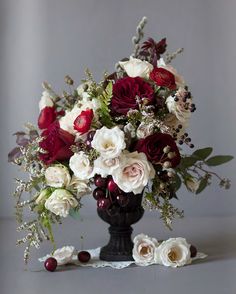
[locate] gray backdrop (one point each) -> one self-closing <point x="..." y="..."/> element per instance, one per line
<point x="46" y="39"/>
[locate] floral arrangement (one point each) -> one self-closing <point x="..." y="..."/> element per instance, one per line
<point x="123" y="135"/>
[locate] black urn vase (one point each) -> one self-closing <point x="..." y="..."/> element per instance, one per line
<point x="120" y="245"/>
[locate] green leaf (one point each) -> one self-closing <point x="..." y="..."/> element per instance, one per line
<point x="178" y="182"/>
<point x="74" y="213"/>
<point x="202" y="185"/>
<point x="188" y="161"/>
<point x="203" y="153"/>
<point x="218" y="160"/>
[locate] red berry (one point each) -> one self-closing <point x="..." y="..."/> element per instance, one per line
<point x="111" y="186"/>
<point x="98" y="193"/>
<point x="100" y="182"/>
<point x="84" y="256"/>
<point x="193" y="251"/>
<point x="123" y="200"/>
<point x="103" y="203"/>
<point x="50" y="264"/>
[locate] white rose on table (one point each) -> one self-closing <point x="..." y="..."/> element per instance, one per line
<point x="136" y="67"/>
<point x="62" y="255"/>
<point x="45" y="101"/>
<point x="105" y="167"/>
<point x="109" y="142"/>
<point x="192" y="184"/>
<point x="178" y="78"/>
<point x="57" y="176"/>
<point x="173" y="252"/>
<point x="60" y="202"/>
<point x="80" y="165"/>
<point x="144" y="250"/>
<point x="133" y="173"/>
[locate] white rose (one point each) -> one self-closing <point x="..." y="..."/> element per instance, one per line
<point x="178" y="78"/>
<point x="57" y="176"/>
<point x="178" y="109"/>
<point x="144" y="250"/>
<point x="137" y="68"/>
<point x="46" y="100"/>
<point x="81" y="187"/>
<point x="60" y="202"/>
<point x="173" y="252"/>
<point x="192" y="184"/>
<point x="67" y="121"/>
<point x="133" y="173"/>
<point x="109" y="142"/>
<point x="105" y="167"/>
<point x="64" y="255"/>
<point x="144" y="130"/>
<point x="81" y="167"/>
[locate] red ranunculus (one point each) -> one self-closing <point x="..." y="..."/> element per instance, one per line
<point x="125" y="92"/>
<point x="153" y="146"/>
<point x="46" y="117"/>
<point x="56" y="143"/>
<point x="163" y="78"/>
<point x="83" y="122"/>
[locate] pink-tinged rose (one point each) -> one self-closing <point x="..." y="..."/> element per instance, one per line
<point x="83" y="122"/>
<point x="125" y="93"/>
<point x="163" y="78"/>
<point x="153" y="146"/>
<point x="56" y="143"/>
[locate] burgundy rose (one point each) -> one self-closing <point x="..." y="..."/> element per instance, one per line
<point x="57" y="143"/>
<point x="46" y="117"/>
<point x="153" y="146"/>
<point x="125" y="92"/>
<point x="163" y="78"/>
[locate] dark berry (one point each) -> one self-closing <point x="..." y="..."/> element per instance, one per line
<point x="164" y="176"/>
<point x="181" y="142"/>
<point x="84" y="256"/>
<point x="100" y="182"/>
<point x="193" y="251"/>
<point x="191" y="146"/>
<point x="122" y="200"/>
<point x="111" y="186"/>
<point x="103" y="203"/>
<point x="50" y="264"/>
<point x="98" y="193"/>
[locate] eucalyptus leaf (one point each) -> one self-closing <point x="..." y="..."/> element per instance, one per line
<point x="218" y="160"/>
<point x="202" y="185"/>
<point x="177" y="183"/>
<point x="203" y="153"/>
<point x="188" y="161"/>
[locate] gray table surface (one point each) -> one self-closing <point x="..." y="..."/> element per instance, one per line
<point x="213" y="236"/>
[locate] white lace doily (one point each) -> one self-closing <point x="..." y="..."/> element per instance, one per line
<point x="95" y="262"/>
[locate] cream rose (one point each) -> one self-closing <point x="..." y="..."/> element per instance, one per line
<point x="57" y="176"/>
<point x="105" y="167"/>
<point x="134" y="172"/>
<point x="178" y="109"/>
<point x="109" y="142"/>
<point x="173" y="252"/>
<point x="192" y="184"/>
<point x="144" y="130"/>
<point x="79" y="186"/>
<point x="80" y="165"/>
<point x="46" y="100"/>
<point x="136" y="67"/>
<point x="60" y="202"/>
<point x="178" y="78"/>
<point x="144" y="250"/>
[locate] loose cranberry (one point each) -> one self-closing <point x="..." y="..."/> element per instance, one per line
<point x="193" y="251"/>
<point x="84" y="256"/>
<point x="98" y="193"/>
<point x="100" y="182"/>
<point x="111" y="186"/>
<point x="103" y="203"/>
<point x="123" y="200"/>
<point x="50" y="264"/>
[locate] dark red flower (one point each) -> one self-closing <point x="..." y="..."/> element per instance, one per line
<point x="163" y="78"/>
<point x="125" y="92"/>
<point x="46" y="117"/>
<point x="153" y="146"/>
<point x="56" y="143"/>
<point x="83" y="122"/>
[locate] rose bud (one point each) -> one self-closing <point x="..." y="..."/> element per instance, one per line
<point x="47" y="117"/>
<point x="83" y="122"/>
